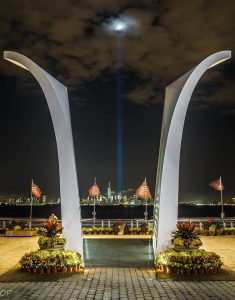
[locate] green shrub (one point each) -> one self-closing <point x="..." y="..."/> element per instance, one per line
<point x="227" y="231"/>
<point x="127" y="230"/>
<point x="199" y="259"/>
<point x="232" y="231"/>
<point x="212" y="229"/>
<point x="144" y="228"/>
<point x="219" y="232"/>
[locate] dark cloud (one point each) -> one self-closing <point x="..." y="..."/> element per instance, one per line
<point x="68" y="38"/>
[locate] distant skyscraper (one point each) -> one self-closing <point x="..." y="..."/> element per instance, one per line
<point x="109" y="191"/>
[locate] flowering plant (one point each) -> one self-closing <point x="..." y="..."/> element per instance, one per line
<point x="50" y="234"/>
<point x="118" y="226"/>
<point x="186" y="235"/>
<point x="50" y="242"/>
<point x="50" y="259"/>
<point x="199" y="259"/>
<point x="51" y="227"/>
<point x="144" y="228"/>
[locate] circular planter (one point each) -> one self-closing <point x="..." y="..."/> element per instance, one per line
<point x="56" y="247"/>
<point x="183" y="248"/>
<point x="34" y="270"/>
<point x="54" y="270"/>
<point x="69" y="269"/>
<point x="41" y="271"/>
<point x="48" y="271"/>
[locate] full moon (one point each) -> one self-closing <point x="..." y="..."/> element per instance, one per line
<point x="120" y="25"/>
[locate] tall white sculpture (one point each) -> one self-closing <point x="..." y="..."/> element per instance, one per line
<point x="57" y="100"/>
<point x="177" y="97"/>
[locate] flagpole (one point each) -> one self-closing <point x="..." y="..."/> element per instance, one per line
<point x="221" y="199"/>
<point x="31" y="206"/>
<point x="94" y="212"/>
<point x="146" y="208"/>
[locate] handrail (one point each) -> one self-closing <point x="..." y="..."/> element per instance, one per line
<point x="89" y="222"/>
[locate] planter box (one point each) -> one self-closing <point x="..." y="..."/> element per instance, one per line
<point x="182" y="248"/>
<point x="56" y="247"/>
<point x="21" y="232"/>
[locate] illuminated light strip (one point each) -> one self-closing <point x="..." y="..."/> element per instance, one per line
<point x="17" y="63"/>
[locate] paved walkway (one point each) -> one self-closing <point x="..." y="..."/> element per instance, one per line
<point x="223" y="246"/>
<point x="114" y="283"/>
<point x="13" y="248"/>
<point x="119" y="283"/>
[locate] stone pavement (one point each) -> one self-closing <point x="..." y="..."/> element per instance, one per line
<point x="114" y="283"/>
<point x="119" y="283"/>
<point x="223" y="246"/>
<point x="13" y="248"/>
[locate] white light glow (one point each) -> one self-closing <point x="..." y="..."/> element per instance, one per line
<point x="121" y="25"/>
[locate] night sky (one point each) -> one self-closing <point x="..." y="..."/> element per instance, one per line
<point x="71" y="40"/>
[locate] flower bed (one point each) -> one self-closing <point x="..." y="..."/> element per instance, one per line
<point x="126" y="231"/>
<point x="199" y="261"/>
<point x="185" y="257"/>
<point x="212" y="231"/>
<point x="48" y="259"/>
<point x="44" y="261"/>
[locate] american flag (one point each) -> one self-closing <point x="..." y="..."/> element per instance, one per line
<point x="36" y="190"/>
<point x="94" y="191"/>
<point x="217" y="185"/>
<point x="143" y="191"/>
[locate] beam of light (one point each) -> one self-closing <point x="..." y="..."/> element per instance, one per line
<point x="119" y="117"/>
<point x="119" y="26"/>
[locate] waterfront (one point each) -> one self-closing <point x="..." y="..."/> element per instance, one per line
<point x="114" y="212"/>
